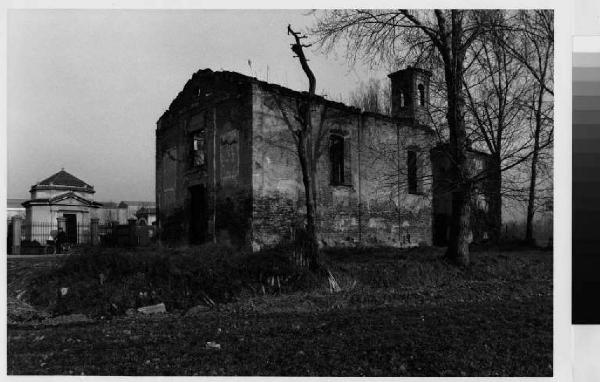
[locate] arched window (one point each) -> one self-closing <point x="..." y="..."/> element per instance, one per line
<point x="421" y="94"/>
<point x="401" y="99"/>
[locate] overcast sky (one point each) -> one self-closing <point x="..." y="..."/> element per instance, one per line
<point x="85" y="87"/>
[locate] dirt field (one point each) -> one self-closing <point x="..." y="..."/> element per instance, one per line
<point x="390" y="319"/>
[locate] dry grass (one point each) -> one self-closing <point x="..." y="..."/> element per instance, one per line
<point x="398" y="313"/>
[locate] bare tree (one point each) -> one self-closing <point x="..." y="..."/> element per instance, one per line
<point x="372" y="97"/>
<point x="306" y="149"/>
<point x="438" y="37"/>
<point x="532" y="44"/>
<point x="497" y="90"/>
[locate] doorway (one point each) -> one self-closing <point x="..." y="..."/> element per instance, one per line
<point x="71" y="228"/>
<point x="198" y="214"/>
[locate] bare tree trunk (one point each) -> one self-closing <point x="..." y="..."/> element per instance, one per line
<point x="531" y="202"/>
<point x="460" y="227"/>
<point x="534" y="162"/>
<point x="460" y="230"/>
<point x="311" y="246"/>
<point x="494" y="187"/>
<point x="306" y="154"/>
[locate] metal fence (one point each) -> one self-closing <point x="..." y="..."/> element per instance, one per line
<point x="105" y="233"/>
<point x="40" y="237"/>
<point x="44" y="233"/>
<point x="38" y="232"/>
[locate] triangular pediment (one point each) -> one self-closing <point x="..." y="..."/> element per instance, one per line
<point x="72" y="199"/>
<point x="71" y="202"/>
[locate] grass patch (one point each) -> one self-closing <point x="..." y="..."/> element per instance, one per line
<point x="106" y="282"/>
<point x="427" y="267"/>
<point x="399" y="313"/>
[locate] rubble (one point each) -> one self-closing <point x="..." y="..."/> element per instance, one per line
<point x="213" y="345"/>
<point x="152" y="309"/>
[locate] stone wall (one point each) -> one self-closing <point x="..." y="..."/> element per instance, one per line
<point x="372" y="207"/>
<point x="217" y="109"/>
<point x="276" y="182"/>
<point x="250" y="179"/>
<point x="391" y="214"/>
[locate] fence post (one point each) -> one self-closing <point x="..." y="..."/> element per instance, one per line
<point x="132" y="231"/>
<point x="16" y="239"/>
<point x="94" y="230"/>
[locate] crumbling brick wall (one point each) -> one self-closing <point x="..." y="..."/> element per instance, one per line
<point x="372" y="206"/>
<point x="394" y="215"/>
<point x="251" y="177"/>
<point x="216" y="110"/>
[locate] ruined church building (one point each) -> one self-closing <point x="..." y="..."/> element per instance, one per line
<point x="227" y="168"/>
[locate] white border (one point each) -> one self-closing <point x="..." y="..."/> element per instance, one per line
<point x="562" y="159"/>
<point x="586" y="44"/>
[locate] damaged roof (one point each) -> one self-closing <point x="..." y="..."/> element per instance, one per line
<point x="235" y="76"/>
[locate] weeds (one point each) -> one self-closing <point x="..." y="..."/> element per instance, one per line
<point x="109" y="281"/>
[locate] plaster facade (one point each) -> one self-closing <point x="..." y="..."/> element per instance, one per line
<point x="61" y="200"/>
<point x="227" y="167"/>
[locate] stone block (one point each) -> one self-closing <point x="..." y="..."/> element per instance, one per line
<point x="153" y="309"/>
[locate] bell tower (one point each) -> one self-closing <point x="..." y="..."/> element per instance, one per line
<point x="410" y="95"/>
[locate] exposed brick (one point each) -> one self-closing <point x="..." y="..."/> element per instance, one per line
<point x="254" y="194"/>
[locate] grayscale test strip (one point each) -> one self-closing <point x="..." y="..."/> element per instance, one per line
<point x="586" y="188"/>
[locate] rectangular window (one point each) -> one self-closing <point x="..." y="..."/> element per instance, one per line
<point x="198" y="149"/>
<point x="347" y="162"/>
<point x="412" y="172"/>
<point x="336" y="157"/>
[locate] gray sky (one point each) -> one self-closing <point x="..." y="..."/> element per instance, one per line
<point x="85" y="87"/>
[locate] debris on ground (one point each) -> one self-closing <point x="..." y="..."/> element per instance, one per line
<point x="213" y="345"/>
<point x="152" y="309"/>
<point x="334" y="287"/>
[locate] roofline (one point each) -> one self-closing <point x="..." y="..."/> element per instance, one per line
<point x="48" y="202"/>
<point x="253" y="80"/>
<point x="293" y="93"/>
<point x="55" y="199"/>
<point x="89" y="189"/>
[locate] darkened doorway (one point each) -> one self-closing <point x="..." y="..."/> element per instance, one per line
<point x="71" y="228"/>
<point x="198" y="214"/>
